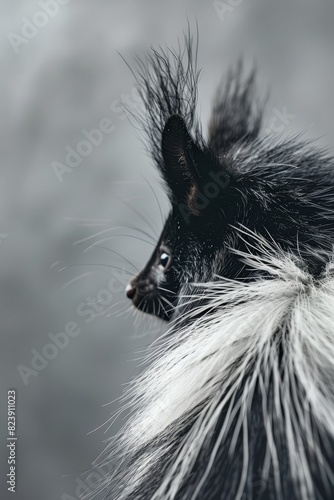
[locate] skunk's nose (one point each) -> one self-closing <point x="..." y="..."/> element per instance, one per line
<point x="130" y="291"/>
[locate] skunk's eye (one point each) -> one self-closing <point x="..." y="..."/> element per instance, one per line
<point x="164" y="259"/>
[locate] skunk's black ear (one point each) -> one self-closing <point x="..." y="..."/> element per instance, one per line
<point x="186" y="166"/>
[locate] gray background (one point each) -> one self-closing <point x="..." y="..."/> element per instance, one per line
<point x="63" y="80"/>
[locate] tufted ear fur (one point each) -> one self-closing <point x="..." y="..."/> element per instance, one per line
<point x="187" y="168"/>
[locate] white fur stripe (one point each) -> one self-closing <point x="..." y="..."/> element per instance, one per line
<point x="216" y="349"/>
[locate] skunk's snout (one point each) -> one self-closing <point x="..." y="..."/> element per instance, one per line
<point x="130" y="290"/>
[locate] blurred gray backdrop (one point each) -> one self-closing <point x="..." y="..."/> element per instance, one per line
<point x="76" y="184"/>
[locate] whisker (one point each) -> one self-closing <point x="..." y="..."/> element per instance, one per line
<point x="166" y="290"/>
<point x="162" y="306"/>
<point x="99" y="264"/>
<point x="81" y="219"/>
<point x="156" y="198"/>
<point x="119" y="313"/>
<point x="140" y="214"/>
<point x="117" y="236"/>
<point x="91" y="224"/>
<point x="120" y="255"/>
<point x="167" y="302"/>
<point x="76" y="279"/>
<point x="140" y="230"/>
<point x="96" y="234"/>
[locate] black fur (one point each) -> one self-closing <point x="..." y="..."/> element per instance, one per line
<point x="283" y="190"/>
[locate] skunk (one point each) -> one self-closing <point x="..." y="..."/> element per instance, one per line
<point x="238" y="401"/>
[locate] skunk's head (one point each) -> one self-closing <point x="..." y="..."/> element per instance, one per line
<point x="220" y="188"/>
<point x="191" y="237"/>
